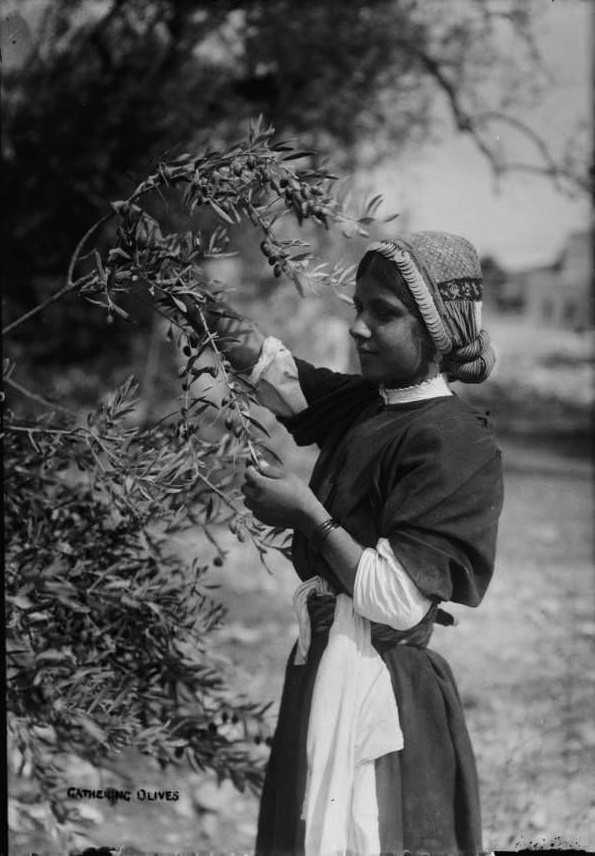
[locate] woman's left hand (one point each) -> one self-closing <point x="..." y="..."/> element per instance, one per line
<point x="277" y="497"/>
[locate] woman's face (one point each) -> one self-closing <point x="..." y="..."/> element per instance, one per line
<point x="389" y="339"/>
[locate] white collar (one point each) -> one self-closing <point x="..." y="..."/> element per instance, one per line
<point x="434" y="387"/>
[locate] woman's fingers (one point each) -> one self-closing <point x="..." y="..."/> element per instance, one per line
<point x="251" y="475"/>
<point x="248" y="490"/>
<point x="252" y="481"/>
<point x="255" y="477"/>
<point x="268" y="493"/>
<point x="270" y="471"/>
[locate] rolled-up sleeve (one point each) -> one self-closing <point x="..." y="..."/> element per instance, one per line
<point x="384" y="592"/>
<point x="275" y="380"/>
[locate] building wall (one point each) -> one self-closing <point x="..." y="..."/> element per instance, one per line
<point x="560" y="295"/>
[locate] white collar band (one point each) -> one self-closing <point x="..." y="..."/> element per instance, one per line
<point x="434" y="387"/>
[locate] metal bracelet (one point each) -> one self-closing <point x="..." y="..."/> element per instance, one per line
<point x="321" y="532"/>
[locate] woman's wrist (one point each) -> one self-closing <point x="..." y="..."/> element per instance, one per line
<point x="318" y="538"/>
<point x="313" y="515"/>
<point x="330" y="541"/>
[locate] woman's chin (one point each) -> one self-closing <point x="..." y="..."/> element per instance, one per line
<point x="379" y="378"/>
<point x="375" y="375"/>
<point x="368" y="373"/>
<point x="372" y="373"/>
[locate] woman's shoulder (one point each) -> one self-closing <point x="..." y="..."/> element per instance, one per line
<point x="447" y="426"/>
<point x="456" y="414"/>
<point x="334" y="402"/>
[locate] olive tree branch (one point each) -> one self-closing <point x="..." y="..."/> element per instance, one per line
<point x="37" y="309"/>
<point x="38" y="398"/>
<point x="470" y="124"/>
<point x="211" y="339"/>
<point x="70" y="285"/>
<point x="222" y="496"/>
<point x="30" y="429"/>
<point x="549" y="168"/>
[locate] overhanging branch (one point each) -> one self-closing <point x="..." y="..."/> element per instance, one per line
<point x="473" y="125"/>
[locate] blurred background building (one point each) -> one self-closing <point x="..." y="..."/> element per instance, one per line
<point x="558" y="294"/>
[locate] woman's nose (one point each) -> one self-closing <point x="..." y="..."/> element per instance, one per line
<point x="359" y="329"/>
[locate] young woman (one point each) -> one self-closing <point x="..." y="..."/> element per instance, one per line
<point x="371" y="754"/>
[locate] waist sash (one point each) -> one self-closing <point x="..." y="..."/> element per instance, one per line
<point x="321" y="609"/>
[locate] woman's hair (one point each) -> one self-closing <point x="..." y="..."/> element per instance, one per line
<point x="470" y="363"/>
<point x="388" y="275"/>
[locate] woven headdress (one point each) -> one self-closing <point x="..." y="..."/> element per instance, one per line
<point x="443" y="274"/>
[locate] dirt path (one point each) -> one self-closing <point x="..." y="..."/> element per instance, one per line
<point x="524" y="662"/>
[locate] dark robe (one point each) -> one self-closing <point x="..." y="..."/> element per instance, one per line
<point x="427" y="476"/>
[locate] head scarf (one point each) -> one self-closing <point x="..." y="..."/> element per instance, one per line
<point x="443" y="274"/>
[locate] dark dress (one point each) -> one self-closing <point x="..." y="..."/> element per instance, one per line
<point x="427" y="476"/>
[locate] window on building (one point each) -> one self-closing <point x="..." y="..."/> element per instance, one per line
<point x="547" y="310"/>
<point x="569" y="312"/>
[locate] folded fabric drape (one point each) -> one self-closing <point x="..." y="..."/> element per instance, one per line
<point x="354" y="719"/>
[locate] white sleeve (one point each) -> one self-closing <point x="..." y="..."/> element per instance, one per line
<point x="384" y="591"/>
<point x="275" y="379"/>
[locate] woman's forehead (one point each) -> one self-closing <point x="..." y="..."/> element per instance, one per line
<point x="370" y="287"/>
<point x="382" y="278"/>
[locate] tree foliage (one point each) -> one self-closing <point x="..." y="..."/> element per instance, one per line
<point x="107" y="629"/>
<point x="107" y="87"/>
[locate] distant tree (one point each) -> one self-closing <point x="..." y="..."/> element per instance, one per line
<point x="107" y="628"/>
